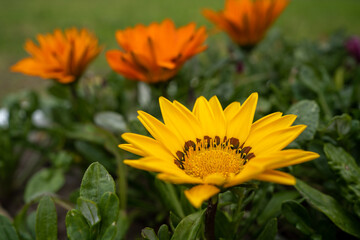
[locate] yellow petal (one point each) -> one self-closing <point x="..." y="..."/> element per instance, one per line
<point x="276" y="177"/>
<point x="231" y="110"/>
<point x="239" y="126"/>
<point x="198" y="130"/>
<point x="149" y="146"/>
<point x="277" y="140"/>
<point x="179" y="178"/>
<point x="160" y="132"/>
<point x="290" y="157"/>
<point x="215" y="179"/>
<point x="200" y="193"/>
<point x="153" y="164"/>
<point x="131" y="148"/>
<point x="176" y="121"/>
<point x="205" y="115"/>
<point x="218" y="111"/>
<point x="250" y="171"/>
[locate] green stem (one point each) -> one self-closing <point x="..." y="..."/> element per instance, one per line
<point x="210" y="218"/>
<point x="175" y="200"/>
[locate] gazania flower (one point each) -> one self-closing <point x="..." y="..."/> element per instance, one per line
<point x="155" y="53"/>
<point x="59" y="56"/>
<point x="246" y="21"/>
<point x="214" y="148"/>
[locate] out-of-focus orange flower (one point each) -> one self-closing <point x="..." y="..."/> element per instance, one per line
<point x="246" y="21"/>
<point x="155" y="53"/>
<point x="59" y="56"/>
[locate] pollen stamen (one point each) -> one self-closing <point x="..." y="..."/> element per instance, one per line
<point x="209" y="156"/>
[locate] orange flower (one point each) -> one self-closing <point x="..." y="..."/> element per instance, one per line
<point x="60" y="56"/>
<point x="246" y="21"/>
<point x="155" y="53"/>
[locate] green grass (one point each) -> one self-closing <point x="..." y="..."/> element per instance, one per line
<point x="22" y="19"/>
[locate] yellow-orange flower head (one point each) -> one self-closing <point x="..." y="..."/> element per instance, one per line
<point x="214" y="148"/>
<point x="246" y="21"/>
<point x="155" y="53"/>
<point x="59" y="56"/>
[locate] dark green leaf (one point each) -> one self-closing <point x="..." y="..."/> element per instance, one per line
<point x="174" y="220"/>
<point x="330" y="207"/>
<point x="44" y="181"/>
<point x="76" y="226"/>
<point x="344" y="165"/>
<point x="189" y="227"/>
<point x="163" y="232"/>
<point x="109" y="210"/>
<point x="7" y="230"/>
<point x="308" y="113"/>
<point x="269" y="231"/>
<point x="96" y="182"/>
<point x="21" y="225"/>
<point x="273" y="207"/>
<point x="89" y="210"/>
<point x="298" y="216"/>
<point x="110" y="233"/>
<point x="46" y="220"/>
<point x="149" y="233"/>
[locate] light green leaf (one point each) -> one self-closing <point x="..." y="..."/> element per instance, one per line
<point x="7" y="230"/>
<point x="163" y="232"/>
<point x="76" y="226"/>
<point x="89" y="210"/>
<point x="96" y="182"/>
<point x="111" y="121"/>
<point x="149" y="234"/>
<point x="110" y="233"/>
<point x="308" y="113"/>
<point x="44" y="181"/>
<point x="273" y="207"/>
<point x="269" y="231"/>
<point x="189" y="227"/>
<point x="330" y="207"/>
<point x="109" y="210"/>
<point x="46" y="220"/>
<point x="298" y="216"/>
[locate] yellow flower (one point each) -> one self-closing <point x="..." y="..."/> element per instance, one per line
<point x="155" y="53"/>
<point x="214" y="148"/>
<point x="246" y="21"/>
<point x="59" y="56"/>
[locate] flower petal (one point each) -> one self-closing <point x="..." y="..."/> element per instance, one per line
<point x="276" y="177"/>
<point x="205" y="115"/>
<point x="200" y="193"/>
<point x="131" y="148"/>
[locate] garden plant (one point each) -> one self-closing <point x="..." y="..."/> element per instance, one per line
<point x="183" y="139"/>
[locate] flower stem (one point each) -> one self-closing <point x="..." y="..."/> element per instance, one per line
<point x="210" y="218"/>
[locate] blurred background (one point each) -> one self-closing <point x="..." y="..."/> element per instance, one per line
<point x="23" y="19"/>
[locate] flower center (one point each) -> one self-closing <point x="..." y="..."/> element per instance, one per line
<point x="209" y="156"/>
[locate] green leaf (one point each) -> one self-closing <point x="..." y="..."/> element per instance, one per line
<point x="89" y="210"/>
<point x="110" y="233"/>
<point x="46" y="220"/>
<point x="344" y="165"/>
<point x="122" y="225"/>
<point x="330" y="207"/>
<point x="111" y="121"/>
<point x="21" y="224"/>
<point x="273" y="207"/>
<point x="44" y="181"/>
<point x="298" y="216"/>
<point x="163" y="232"/>
<point x="109" y="210"/>
<point x="189" y="227"/>
<point x="7" y="230"/>
<point x="269" y="231"/>
<point x="174" y="220"/>
<point x="76" y="226"/>
<point x="308" y="113"/>
<point x="96" y="182"/>
<point x="149" y="233"/>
